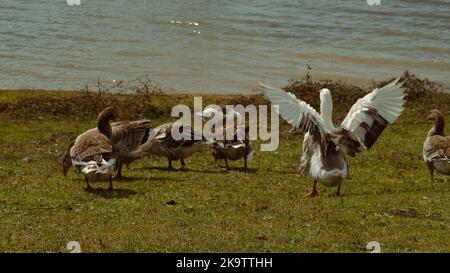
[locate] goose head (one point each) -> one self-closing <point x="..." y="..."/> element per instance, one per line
<point x="325" y="94"/>
<point x="434" y="115"/>
<point x="437" y="118"/>
<point x="108" y="114"/>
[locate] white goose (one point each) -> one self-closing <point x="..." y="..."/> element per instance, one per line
<point x="325" y="146"/>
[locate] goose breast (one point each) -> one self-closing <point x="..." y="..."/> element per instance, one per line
<point x="442" y="166"/>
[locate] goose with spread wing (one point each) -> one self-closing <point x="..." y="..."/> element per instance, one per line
<point x="324" y="146"/>
<point x="436" y="148"/>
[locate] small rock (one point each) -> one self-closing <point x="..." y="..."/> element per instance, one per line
<point x="262" y="238"/>
<point x="189" y="210"/>
<point x="27" y="159"/>
<point x="408" y="212"/>
<point x="261" y="208"/>
<point x="171" y="203"/>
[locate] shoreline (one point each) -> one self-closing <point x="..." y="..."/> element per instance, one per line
<point x="247" y="89"/>
<point x="144" y="99"/>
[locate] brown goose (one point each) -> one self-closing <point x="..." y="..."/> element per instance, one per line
<point x="165" y="145"/>
<point x="92" y="152"/>
<point x="130" y="140"/>
<point x="436" y="148"/>
<point x="230" y="149"/>
<point x="324" y="146"/>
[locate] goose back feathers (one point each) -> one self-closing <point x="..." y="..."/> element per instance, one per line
<point x="91" y="145"/>
<point x="167" y="146"/>
<point x="131" y="138"/>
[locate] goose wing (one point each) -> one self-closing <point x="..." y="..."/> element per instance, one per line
<point x="370" y="115"/>
<point x="437" y="148"/>
<point x="127" y="136"/>
<point x="297" y="112"/>
<point x="90" y="144"/>
<point x="187" y="135"/>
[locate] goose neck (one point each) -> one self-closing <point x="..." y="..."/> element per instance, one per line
<point x="438" y="128"/>
<point x="326" y="110"/>
<point x="104" y="126"/>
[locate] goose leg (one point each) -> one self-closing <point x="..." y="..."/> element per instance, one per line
<point x="338" y="192"/>
<point x="431" y="168"/>
<point x="226" y="163"/>
<point x="88" y="187"/>
<point x="245" y="155"/>
<point x="313" y="192"/>
<point x="119" y="172"/>
<point x="183" y="164"/>
<point x="170" y="164"/>
<point x="110" y="183"/>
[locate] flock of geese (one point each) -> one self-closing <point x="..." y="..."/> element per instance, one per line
<point x="100" y="151"/>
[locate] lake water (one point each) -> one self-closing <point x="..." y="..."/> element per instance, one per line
<point x="220" y="46"/>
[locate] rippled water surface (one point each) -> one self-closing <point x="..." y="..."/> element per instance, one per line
<point x="219" y="46"/>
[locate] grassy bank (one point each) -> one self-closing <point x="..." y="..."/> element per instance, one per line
<point x="388" y="197"/>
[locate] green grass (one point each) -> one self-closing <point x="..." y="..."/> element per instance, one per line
<point x="388" y="197"/>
